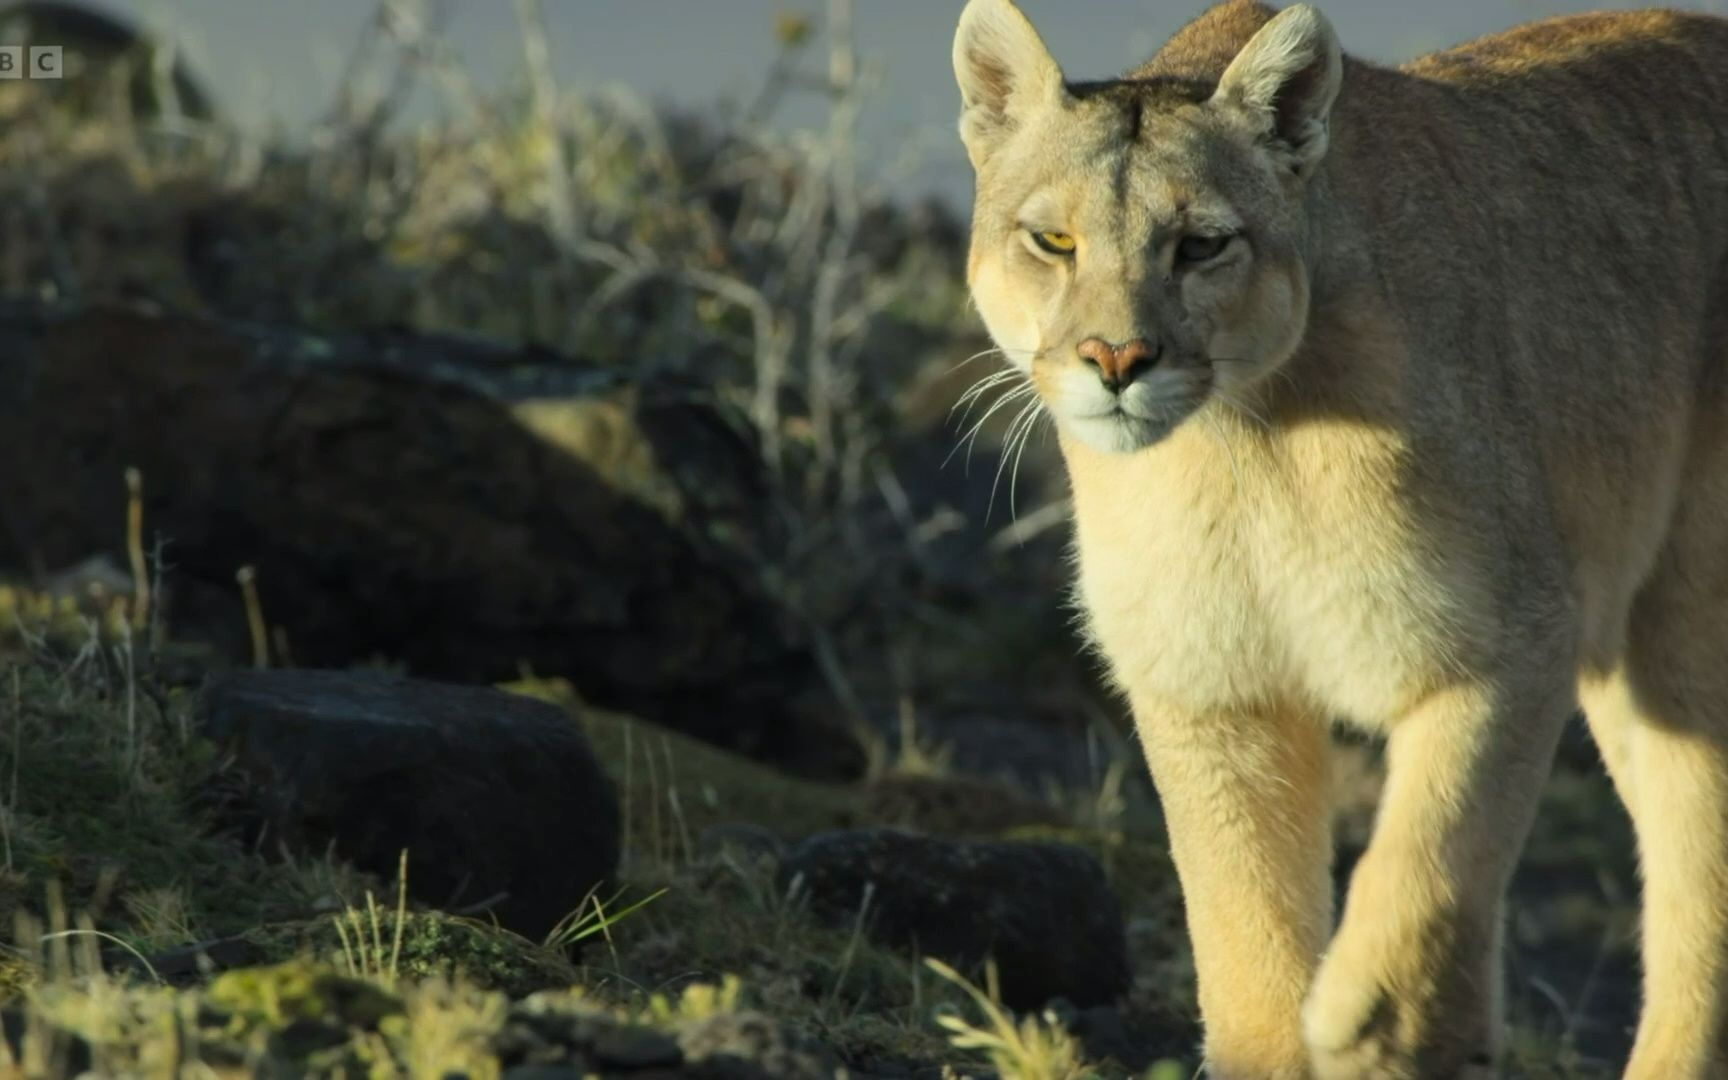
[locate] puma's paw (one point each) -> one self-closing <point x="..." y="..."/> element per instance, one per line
<point x="1357" y="1030"/>
<point x="1345" y="1022"/>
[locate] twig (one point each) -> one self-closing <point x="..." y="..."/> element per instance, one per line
<point x="135" y="548"/>
<point x="247" y="577"/>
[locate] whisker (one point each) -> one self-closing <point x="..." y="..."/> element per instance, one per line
<point x="979" y="355"/>
<point x="1014" y="472"/>
<point x="1027" y="412"/>
<point x="994" y="350"/>
<point x="1017" y="397"/>
<point x="988" y="382"/>
<point x="979" y="388"/>
<point x="1015" y="394"/>
<point x="970" y="438"/>
<point x="966" y="407"/>
<point x="1011" y="457"/>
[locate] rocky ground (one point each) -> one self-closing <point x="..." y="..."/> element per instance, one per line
<point x="214" y="874"/>
<point x="211" y="873"/>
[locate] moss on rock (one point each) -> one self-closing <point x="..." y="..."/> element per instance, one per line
<point x="432" y="944"/>
<point x="674" y="786"/>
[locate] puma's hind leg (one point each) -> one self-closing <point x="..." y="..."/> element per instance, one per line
<point x="1661" y="720"/>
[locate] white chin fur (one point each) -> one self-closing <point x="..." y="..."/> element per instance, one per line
<point x="1116" y="433"/>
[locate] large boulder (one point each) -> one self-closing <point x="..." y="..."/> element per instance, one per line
<point x="497" y="798"/>
<point x="1042" y="911"/>
<point x="467" y="509"/>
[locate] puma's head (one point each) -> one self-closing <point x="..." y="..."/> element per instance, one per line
<point x="1139" y="246"/>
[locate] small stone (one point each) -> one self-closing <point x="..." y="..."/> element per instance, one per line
<point x="1043" y="911"/>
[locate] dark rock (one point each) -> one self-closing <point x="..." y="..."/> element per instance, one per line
<point x="1043" y="911"/>
<point x="190" y="964"/>
<point x="495" y="796"/>
<point x="465" y="508"/>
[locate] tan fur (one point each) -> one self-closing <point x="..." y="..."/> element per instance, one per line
<point x="1437" y="446"/>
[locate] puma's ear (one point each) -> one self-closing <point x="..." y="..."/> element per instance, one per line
<point x="1004" y="71"/>
<point x="1288" y="74"/>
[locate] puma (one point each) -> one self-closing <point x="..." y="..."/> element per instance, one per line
<point x="1396" y="397"/>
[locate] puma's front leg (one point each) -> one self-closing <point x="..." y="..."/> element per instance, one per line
<point x="1247" y="807"/>
<point x="1410" y="985"/>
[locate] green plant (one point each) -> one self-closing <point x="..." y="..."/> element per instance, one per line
<point x="1034" y="1048"/>
<point x="364" y="954"/>
<point x="592" y="918"/>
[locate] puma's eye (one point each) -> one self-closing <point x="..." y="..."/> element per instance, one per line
<point x="1199" y="249"/>
<point x="1056" y="243"/>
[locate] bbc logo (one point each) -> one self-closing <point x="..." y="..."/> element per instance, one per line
<point x="30" y="62"/>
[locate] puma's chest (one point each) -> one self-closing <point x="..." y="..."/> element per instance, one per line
<point x="1220" y="585"/>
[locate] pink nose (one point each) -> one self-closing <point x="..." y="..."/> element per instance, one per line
<point x="1118" y="365"/>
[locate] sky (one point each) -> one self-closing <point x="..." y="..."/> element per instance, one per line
<point x="274" y="63"/>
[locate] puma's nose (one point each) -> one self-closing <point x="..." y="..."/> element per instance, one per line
<point x="1118" y="365"/>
